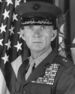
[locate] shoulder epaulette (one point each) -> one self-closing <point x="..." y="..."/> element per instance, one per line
<point x="63" y="61"/>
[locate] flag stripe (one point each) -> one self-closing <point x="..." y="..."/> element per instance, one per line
<point x="10" y="77"/>
<point x="3" y="87"/>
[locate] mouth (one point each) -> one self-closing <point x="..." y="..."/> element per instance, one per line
<point x="37" y="42"/>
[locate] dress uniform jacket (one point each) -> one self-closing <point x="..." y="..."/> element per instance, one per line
<point x="54" y="75"/>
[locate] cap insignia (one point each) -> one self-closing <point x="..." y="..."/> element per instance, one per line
<point x="36" y="6"/>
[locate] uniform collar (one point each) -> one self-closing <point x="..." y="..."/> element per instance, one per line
<point x="38" y="60"/>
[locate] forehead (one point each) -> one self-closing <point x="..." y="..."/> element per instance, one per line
<point x="38" y="26"/>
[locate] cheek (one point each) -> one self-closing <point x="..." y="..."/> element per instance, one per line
<point x="48" y="37"/>
<point x="28" y="39"/>
<point x="27" y="34"/>
<point x="48" y="40"/>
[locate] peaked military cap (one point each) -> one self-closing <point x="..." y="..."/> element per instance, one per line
<point x="38" y="12"/>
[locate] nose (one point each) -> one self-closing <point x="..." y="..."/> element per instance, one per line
<point x="37" y="31"/>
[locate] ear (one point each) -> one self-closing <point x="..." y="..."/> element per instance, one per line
<point x="23" y="37"/>
<point x="22" y="34"/>
<point x="54" y="34"/>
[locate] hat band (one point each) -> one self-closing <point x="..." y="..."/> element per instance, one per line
<point x="37" y="23"/>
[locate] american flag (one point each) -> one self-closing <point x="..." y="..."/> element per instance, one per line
<point x="11" y="43"/>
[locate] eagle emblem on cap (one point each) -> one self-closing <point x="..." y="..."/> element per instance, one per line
<point x="36" y="6"/>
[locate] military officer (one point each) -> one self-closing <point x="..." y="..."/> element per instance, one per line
<point x="45" y="71"/>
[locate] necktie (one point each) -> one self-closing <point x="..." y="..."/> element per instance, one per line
<point x="23" y="69"/>
<point x="32" y="65"/>
<point x="21" y="74"/>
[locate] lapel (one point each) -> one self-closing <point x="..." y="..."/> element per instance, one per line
<point x="40" y="69"/>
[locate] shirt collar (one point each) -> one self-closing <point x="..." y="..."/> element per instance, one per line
<point x="38" y="60"/>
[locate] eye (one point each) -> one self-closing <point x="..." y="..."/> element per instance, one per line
<point x="31" y="26"/>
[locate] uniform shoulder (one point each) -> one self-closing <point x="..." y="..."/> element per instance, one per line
<point x="63" y="61"/>
<point x="67" y="80"/>
<point x="66" y="74"/>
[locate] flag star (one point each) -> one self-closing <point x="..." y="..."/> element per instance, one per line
<point x="1" y="40"/>
<point x="15" y="17"/>
<point x="5" y="58"/>
<point x="9" y="2"/>
<point x="6" y="14"/>
<point x="11" y="30"/>
<point x="8" y="44"/>
<point x="2" y="28"/>
<point x="18" y="46"/>
<point x="17" y="2"/>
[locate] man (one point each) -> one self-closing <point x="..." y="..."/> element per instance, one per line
<point x="44" y="72"/>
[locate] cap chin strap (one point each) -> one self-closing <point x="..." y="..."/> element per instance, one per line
<point x="37" y="23"/>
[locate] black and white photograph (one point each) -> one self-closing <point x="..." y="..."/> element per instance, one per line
<point x="37" y="47"/>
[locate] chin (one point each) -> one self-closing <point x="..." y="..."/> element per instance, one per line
<point x="37" y="49"/>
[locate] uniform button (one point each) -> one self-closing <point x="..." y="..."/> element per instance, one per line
<point x="24" y="92"/>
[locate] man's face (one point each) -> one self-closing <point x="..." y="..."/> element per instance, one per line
<point x="38" y="37"/>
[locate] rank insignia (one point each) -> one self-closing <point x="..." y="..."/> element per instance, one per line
<point x="65" y="60"/>
<point x="49" y="75"/>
